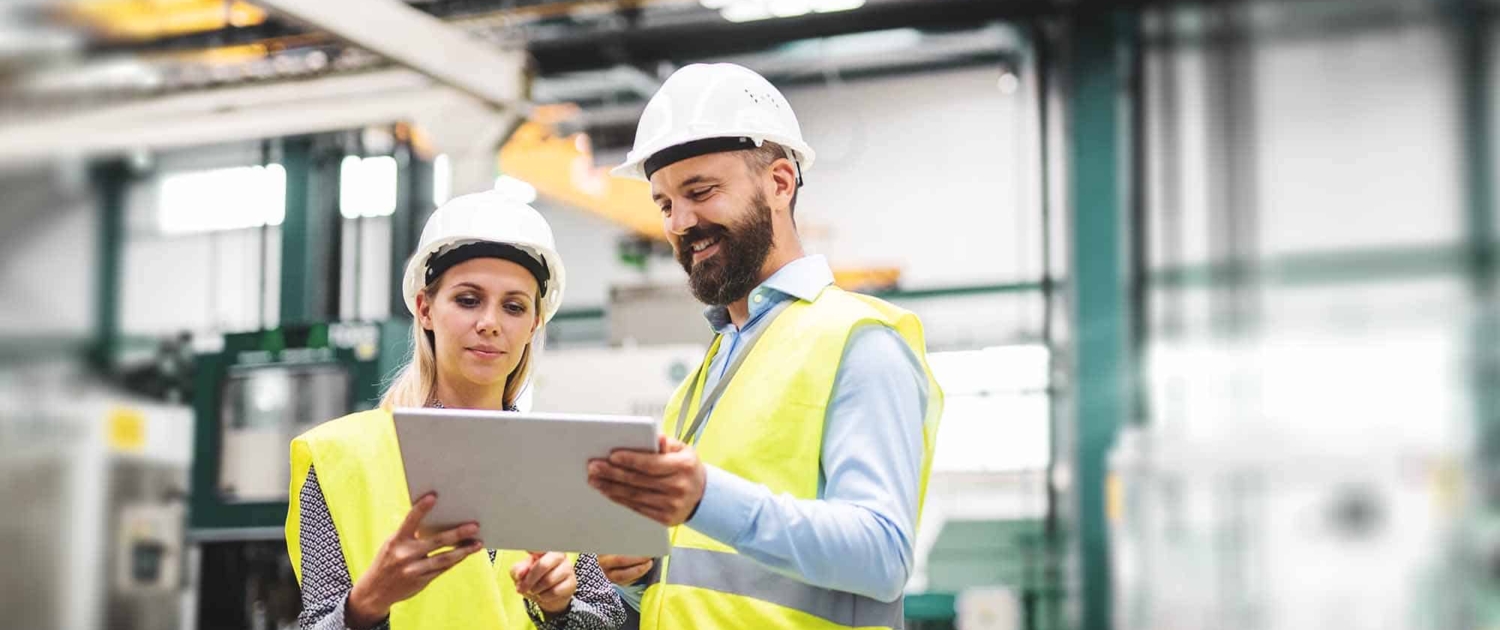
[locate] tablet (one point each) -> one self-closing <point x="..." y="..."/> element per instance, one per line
<point x="524" y="478"/>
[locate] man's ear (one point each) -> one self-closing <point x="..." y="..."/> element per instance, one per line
<point x="783" y="181"/>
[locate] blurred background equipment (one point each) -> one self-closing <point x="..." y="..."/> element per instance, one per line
<point x="1211" y="286"/>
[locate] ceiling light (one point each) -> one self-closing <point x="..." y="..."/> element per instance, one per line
<point x="1009" y="82"/>
<point x="788" y="8"/>
<point x="751" y="10"/>
<point x="830" y="6"/>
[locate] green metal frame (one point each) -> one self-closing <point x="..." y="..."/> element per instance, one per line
<point x="309" y="233"/>
<point x="267" y="348"/>
<point x="1475" y="50"/>
<point x="1330" y="268"/>
<point x="414" y="189"/>
<point x="110" y="180"/>
<point x="1098" y="153"/>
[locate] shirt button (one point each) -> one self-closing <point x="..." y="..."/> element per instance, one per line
<point x="759" y="298"/>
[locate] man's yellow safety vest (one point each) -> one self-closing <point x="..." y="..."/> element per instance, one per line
<point x="364" y="485"/>
<point x="767" y="427"/>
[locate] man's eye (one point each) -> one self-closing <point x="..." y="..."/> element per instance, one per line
<point x="700" y="194"/>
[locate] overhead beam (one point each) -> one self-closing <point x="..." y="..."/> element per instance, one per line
<point x="398" y="32"/>
<point x="587" y="48"/>
<point x="229" y="115"/>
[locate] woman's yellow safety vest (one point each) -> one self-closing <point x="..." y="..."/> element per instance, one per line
<point x="768" y="428"/>
<point x="364" y="484"/>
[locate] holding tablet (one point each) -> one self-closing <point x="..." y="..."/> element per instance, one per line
<point x="523" y="477"/>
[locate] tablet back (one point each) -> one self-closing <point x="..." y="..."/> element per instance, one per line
<point x="524" y="478"/>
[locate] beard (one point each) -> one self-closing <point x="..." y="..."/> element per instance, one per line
<point x="734" y="271"/>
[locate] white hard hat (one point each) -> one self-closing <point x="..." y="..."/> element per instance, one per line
<point x="706" y="108"/>
<point x="494" y="218"/>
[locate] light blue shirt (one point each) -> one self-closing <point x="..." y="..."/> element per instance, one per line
<point x="857" y="536"/>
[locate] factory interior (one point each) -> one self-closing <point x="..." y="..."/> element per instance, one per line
<point x="1210" y="288"/>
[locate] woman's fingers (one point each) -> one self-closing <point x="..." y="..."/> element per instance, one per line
<point x="433" y="566"/>
<point x="558" y="587"/>
<point x="413" y="520"/>
<point x="518" y="571"/>
<point x="451" y="537"/>
<point x="554" y="577"/>
<point x="541" y="570"/>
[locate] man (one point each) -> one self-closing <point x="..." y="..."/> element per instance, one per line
<point x="794" y="461"/>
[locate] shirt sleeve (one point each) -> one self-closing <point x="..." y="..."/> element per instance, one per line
<point x="857" y="536"/>
<point x="325" y="575"/>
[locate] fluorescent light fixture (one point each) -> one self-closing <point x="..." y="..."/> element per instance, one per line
<point x="515" y="189"/>
<point x="832" y="6"/>
<point x="746" y="11"/>
<point x="788" y="8"/>
<point x="751" y="10"/>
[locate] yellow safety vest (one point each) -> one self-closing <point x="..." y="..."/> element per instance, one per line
<point x="768" y="428"/>
<point x="364" y="485"/>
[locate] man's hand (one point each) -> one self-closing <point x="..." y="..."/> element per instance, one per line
<point x="625" y="570"/>
<point x="406" y="564"/>
<point x="547" y="579"/>
<point x="664" y="487"/>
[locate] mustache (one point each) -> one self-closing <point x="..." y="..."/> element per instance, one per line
<point x="695" y="234"/>
<point x="700" y="232"/>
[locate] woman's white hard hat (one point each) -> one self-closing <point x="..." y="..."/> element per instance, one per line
<point x="487" y="217"/>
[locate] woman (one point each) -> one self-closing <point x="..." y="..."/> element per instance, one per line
<point x="484" y="279"/>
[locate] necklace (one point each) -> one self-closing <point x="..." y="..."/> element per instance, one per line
<point x="438" y="404"/>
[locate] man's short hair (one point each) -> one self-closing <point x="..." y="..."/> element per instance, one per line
<point x="762" y="157"/>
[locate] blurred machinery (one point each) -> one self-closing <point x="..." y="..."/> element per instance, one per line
<point x="95" y="482"/>
<point x="1262" y="532"/>
<point x="253" y="396"/>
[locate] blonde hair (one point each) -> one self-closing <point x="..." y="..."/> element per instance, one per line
<point x="416" y="384"/>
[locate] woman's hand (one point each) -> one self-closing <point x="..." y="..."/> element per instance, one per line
<point x="547" y="579"/>
<point x="624" y="570"/>
<point x="405" y="565"/>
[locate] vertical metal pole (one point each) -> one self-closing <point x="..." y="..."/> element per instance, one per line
<point x="1100" y="293"/>
<point x="265" y="245"/>
<point x="310" y="242"/>
<point x="1475" y="48"/>
<point x="413" y="205"/>
<point x="110" y="180"/>
<point x="1138" y="225"/>
<point x="1049" y="609"/>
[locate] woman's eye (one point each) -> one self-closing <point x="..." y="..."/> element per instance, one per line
<point x="515" y="308"/>
<point x="467" y="301"/>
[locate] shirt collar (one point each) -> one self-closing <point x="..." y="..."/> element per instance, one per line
<point x="802" y="279"/>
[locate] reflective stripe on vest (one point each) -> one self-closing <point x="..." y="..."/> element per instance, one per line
<point x="738" y="575"/>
